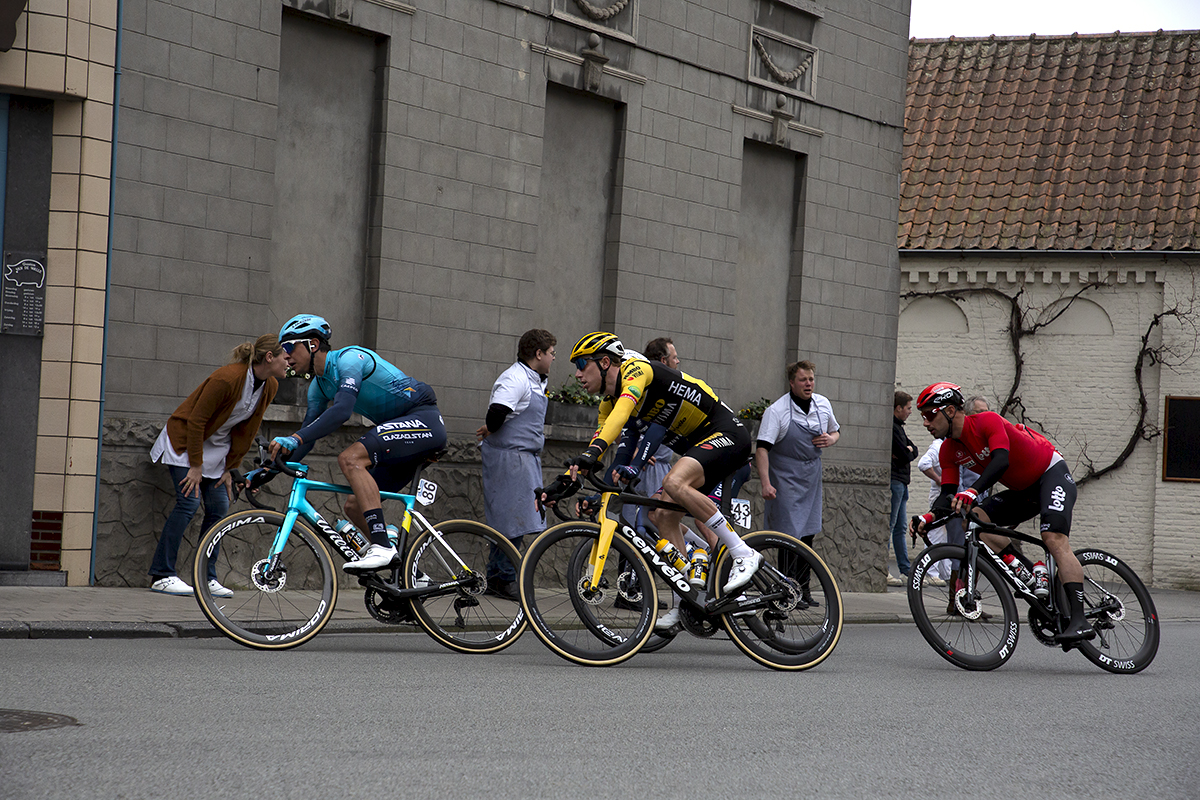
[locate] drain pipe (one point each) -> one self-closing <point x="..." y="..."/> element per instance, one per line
<point x="112" y="191"/>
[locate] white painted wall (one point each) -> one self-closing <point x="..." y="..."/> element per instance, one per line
<point x="1077" y="385"/>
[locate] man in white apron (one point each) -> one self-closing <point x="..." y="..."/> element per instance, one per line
<point x="511" y="442"/>
<point x="793" y="432"/>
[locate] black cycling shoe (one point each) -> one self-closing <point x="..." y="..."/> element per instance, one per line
<point x="1075" y="634"/>
<point x="627" y="605"/>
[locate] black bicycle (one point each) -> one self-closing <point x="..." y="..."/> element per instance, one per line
<point x="285" y="581"/>
<point x="595" y="609"/>
<point x="973" y="623"/>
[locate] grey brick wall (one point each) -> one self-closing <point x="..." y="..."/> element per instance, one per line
<point x="452" y="275"/>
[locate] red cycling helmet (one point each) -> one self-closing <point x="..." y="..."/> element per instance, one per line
<point x="940" y="394"/>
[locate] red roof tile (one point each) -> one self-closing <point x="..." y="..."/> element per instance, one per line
<point x="1053" y="143"/>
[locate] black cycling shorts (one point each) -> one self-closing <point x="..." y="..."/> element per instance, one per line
<point x="399" y="446"/>
<point x="722" y="447"/>
<point x="1052" y="496"/>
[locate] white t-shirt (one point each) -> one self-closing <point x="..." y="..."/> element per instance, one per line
<point x="515" y="386"/>
<point x="216" y="447"/>
<point x="779" y="415"/>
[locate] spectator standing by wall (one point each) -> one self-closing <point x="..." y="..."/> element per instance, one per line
<point x="793" y="432"/>
<point x="206" y="437"/>
<point x="904" y="452"/>
<point x="511" y="440"/>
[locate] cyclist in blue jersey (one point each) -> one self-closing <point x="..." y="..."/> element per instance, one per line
<point x="408" y="425"/>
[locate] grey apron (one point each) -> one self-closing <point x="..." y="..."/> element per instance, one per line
<point x="512" y="469"/>
<point x="795" y="472"/>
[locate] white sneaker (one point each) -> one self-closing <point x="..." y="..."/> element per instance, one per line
<point x="742" y="571"/>
<point x="217" y="590"/>
<point x="894" y="581"/>
<point x="933" y="580"/>
<point x="667" y="620"/>
<point x="375" y="557"/>
<point x="172" y="585"/>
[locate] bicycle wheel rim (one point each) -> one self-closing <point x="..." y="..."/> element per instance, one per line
<point x="468" y="620"/>
<point x="267" y="611"/>
<point x="552" y="589"/>
<point x="782" y="637"/>
<point x="981" y="643"/>
<point x="1119" y="608"/>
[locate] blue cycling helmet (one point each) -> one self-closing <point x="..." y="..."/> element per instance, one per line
<point x="305" y="326"/>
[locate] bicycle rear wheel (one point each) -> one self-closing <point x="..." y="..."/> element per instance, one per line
<point x="467" y="619"/>
<point x="580" y="622"/>
<point x="788" y="634"/>
<point x="271" y="609"/>
<point x="983" y="637"/>
<point x="1118" y="606"/>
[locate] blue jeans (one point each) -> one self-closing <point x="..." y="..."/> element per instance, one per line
<point x="216" y="505"/>
<point x="899" y="521"/>
<point x="500" y="566"/>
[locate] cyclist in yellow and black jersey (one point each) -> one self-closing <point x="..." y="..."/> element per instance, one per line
<point x="711" y="441"/>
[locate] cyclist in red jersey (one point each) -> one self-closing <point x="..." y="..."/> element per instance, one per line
<point x="1023" y="460"/>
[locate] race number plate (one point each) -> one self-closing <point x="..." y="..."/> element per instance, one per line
<point x="741" y="512"/>
<point x="426" y="492"/>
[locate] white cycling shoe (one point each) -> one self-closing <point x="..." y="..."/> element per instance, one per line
<point x="667" y="620"/>
<point x="742" y="571"/>
<point x="375" y="557"/>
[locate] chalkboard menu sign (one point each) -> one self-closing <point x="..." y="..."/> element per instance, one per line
<point x="23" y="293"/>
<point x="1181" y="439"/>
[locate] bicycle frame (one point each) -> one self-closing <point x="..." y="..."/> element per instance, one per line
<point x="973" y="546"/>
<point x="299" y="506"/>
<point x="611" y="522"/>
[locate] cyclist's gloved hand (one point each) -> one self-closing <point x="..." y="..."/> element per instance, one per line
<point x="627" y="474"/>
<point x="288" y="443"/>
<point x="256" y="478"/>
<point x="588" y="506"/>
<point x="588" y="461"/>
<point x="967" y="497"/>
<point x="563" y="486"/>
<point x="920" y="524"/>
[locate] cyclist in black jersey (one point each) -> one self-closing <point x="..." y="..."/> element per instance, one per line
<point x="710" y="440"/>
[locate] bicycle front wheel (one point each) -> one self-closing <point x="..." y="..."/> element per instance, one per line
<point x="1118" y="606"/>
<point x="467" y="619"/>
<point x="593" y="625"/>
<point x="978" y="633"/>
<point x="273" y="607"/>
<point x="789" y="633"/>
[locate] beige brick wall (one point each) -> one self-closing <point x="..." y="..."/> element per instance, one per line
<point x="67" y="49"/>
<point x="1077" y="386"/>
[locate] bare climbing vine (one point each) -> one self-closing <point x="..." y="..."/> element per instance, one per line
<point x="1024" y="322"/>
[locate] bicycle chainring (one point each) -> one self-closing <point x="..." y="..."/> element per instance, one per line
<point x="1043" y="629"/>
<point x="697" y="622"/>
<point x="274" y="583"/>
<point x="388" y="610"/>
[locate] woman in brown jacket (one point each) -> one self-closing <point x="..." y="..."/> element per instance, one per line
<point x="207" y="436"/>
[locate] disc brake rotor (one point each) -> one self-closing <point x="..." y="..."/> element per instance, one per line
<point x="268" y="583"/>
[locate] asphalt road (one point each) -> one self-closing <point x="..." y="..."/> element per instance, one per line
<point x="395" y="715"/>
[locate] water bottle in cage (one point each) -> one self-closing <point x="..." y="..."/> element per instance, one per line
<point x="353" y="536"/>
<point x="1041" y="578"/>
<point x="671" y="555"/>
<point x="1019" y="569"/>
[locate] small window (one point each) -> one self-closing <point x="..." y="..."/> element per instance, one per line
<point x="1181" y="439"/>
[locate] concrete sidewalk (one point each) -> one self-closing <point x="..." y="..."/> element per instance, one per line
<point x="35" y="612"/>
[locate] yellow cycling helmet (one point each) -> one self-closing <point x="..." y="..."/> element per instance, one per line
<point x="598" y="344"/>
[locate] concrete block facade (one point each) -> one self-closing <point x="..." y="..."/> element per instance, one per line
<point x="456" y="214"/>
<point x="1078" y="384"/>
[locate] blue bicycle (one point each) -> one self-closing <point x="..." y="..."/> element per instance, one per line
<point x="285" y="582"/>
